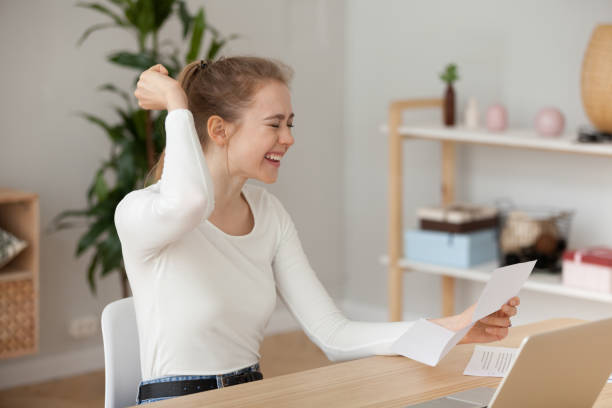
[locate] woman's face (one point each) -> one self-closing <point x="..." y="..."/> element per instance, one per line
<point x="256" y="149"/>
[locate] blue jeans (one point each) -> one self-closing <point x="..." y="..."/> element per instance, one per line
<point x="219" y="377"/>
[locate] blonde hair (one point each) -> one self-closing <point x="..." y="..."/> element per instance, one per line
<point x="225" y="87"/>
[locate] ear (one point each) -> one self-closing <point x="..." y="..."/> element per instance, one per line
<point x="216" y="127"/>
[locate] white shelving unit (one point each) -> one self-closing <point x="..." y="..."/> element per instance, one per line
<point x="518" y="138"/>
<point x="449" y="137"/>
<point x="538" y="281"/>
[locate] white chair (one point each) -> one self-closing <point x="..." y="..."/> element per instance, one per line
<point x="121" y="353"/>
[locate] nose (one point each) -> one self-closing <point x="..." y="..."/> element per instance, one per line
<point x="286" y="138"/>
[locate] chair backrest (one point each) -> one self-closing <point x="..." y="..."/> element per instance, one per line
<point x="121" y="353"/>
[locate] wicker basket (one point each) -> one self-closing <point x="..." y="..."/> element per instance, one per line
<point x="17" y="318"/>
<point x="597" y="78"/>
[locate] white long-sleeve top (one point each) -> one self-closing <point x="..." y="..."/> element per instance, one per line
<point x="203" y="297"/>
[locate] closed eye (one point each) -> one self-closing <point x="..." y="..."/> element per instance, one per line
<point x="277" y="126"/>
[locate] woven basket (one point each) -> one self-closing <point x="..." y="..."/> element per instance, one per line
<point x="597" y="78"/>
<point x="17" y="318"/>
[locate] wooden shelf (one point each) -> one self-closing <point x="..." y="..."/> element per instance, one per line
<point x="19" y="284"/>
<point x="10" y="274"/>
<point x="538" y="281"/>
<point x="449" y="138"/>
<point x="517" y="138"/>
<point x="8" y="195"/>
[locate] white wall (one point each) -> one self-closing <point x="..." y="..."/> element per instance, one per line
<point x="526" y="54"/>
<point x="45" y="149"/>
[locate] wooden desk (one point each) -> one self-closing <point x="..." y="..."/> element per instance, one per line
<point x="379" y="381"/>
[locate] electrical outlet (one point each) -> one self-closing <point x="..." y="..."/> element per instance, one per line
<point x="83" y="327"/>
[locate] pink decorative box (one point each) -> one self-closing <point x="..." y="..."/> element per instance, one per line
<point x="589" y="269"/>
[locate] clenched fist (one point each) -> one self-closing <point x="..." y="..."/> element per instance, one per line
<point x="156" y="90"/>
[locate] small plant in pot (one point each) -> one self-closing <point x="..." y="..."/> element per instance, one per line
<point x="449" y="76"/>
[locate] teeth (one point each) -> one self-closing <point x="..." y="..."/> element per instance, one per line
<point x="276" y="157"/>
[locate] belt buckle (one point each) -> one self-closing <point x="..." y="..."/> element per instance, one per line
<point x="238" y="379"/>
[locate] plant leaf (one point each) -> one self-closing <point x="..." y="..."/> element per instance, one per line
<point x="121" y="3"/>
<point x="93" y="28"/>
<point x="216" y="45"/>
<point x="112" y="88"/>
<point x="213" y="30"/>
<point x="126" y="170"/>
<point x="159" y="132"/>
<point x="140" y="61"/>
<point x="128" y="122"/>
<point x="185" y="17"/>
<point x="91" y="273"/>
<point x="139" y="118"/>
<point x="113" y="132"/>
<point x="161" y="12"/>
<point x="196" y="36"/>
<point x="175" y="67"/>
<point x="101" y="188"/>
<point x="110" y="251"/>
<point x="145" y="16"/>
<point x="56" y="223"/>
<point x="104" y="10"/>
<point x="67" y="225"/>
<point x="89" y="238"/>
<point x="449" y="75"/>
<point x="92" y="188"/>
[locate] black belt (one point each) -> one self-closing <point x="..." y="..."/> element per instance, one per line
<point x="184" y="387"/>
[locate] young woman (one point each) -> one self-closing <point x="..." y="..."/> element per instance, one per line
<point x="207" y="253"/>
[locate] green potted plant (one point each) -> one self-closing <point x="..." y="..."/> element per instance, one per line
<point x="449" y="75"/>
<point x="138" y="137"/>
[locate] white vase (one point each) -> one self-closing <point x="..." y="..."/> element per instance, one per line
<point x="471" y="114"/>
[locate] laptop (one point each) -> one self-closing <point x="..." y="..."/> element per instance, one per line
<point x="561" y="368"/>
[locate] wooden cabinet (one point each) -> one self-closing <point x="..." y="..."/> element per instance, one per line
<point x="19" y="285"/>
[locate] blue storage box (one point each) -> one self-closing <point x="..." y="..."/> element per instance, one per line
<point x="451" y="249"/>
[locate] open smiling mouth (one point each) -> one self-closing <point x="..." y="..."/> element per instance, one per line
<point x="273" y="159"/>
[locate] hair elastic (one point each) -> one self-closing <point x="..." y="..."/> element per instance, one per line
<point x="203" y="64"/>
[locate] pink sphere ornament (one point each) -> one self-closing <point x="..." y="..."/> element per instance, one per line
<point x="549" y="122"/>
<point x="497" y="118"/>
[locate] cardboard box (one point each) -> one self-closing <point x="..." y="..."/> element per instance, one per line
<point x="457" y="218"/>
<point x="589" y="269"/>
<point x="461" y="250"/>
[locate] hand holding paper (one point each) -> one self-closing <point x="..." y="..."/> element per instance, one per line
<point x="428" y="342"/>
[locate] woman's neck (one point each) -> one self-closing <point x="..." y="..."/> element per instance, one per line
<point x="227" y="187"/>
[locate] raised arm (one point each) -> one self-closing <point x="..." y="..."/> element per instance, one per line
<point x="339" y="338"/>
<point x="151" y="218"/>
